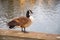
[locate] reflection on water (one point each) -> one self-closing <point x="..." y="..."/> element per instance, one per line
<point x="46" y="14"/>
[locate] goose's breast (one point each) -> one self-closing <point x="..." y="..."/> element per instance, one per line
<point x="31" y="18"/>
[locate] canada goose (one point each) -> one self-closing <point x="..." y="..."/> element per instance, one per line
<point x="22" y="21"/>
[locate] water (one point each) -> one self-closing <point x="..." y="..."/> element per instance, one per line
<point x="46" y="20"/>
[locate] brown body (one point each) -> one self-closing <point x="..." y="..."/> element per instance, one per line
<point x="21" y="21"/>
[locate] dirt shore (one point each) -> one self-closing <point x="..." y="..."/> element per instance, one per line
<point x="18" y="35"/>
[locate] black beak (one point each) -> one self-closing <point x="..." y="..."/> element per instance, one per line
<point x="31" y="11"/>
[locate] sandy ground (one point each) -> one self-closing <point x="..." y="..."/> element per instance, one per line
<point x="18" y="35"/>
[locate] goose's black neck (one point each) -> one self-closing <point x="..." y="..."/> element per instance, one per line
<point x="27" y="14"/>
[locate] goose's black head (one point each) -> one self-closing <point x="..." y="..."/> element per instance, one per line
<point x="28" y="13"/>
